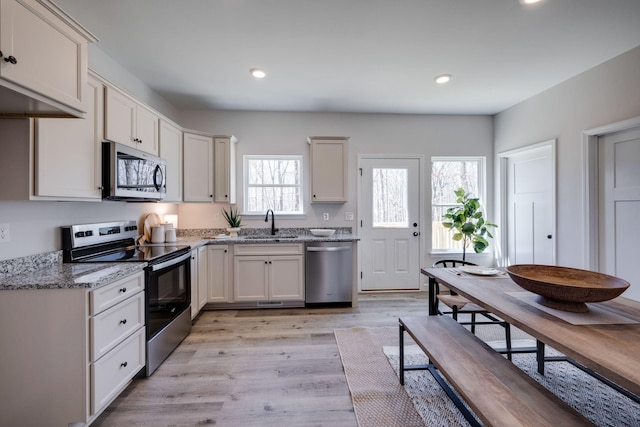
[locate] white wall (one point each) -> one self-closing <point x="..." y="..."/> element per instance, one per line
<point x="605" y="94"/>
<point x="34" y="225"/>
<point x="286" y="133"/>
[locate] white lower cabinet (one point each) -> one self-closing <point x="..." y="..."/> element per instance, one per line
<point x="203" y="268"/>
<point x="199" y="279"/>
<point x="218" y="273"/>
<point x="111" y="373"/>
<point x="268" y="272"/>
<point x="117" y="338"/>
<point x="72" y="352"/>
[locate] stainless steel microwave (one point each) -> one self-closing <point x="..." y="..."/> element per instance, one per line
<point x="132" y="175"/>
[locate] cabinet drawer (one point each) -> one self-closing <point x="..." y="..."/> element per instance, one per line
<point x="111" y="374"/>
<point x="269" y="249"/>
<point x="115" y="324"/>
<point x="109" y="295"/>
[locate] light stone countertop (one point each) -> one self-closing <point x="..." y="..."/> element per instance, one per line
<point x="196" y="241"/>
<point x="30" y="273"/>
<point x="47" y="271"/>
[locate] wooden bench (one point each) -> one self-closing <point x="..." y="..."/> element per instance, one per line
<point x="497" y="391"/>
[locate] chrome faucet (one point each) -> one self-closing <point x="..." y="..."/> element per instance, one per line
<point x="273" y="221"/>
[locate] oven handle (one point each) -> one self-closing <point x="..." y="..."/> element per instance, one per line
<point x="169" y="263"/>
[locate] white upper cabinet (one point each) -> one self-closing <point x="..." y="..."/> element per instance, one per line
<point x="329" y="160"/>
<point x="225" y="169"/>
<point x="171" y="151"/>
<point x="43" y="64"/>
<point x="130" y="123"/>
<point x="53" y="159"/>
<point x="198" y="168"/>
<point x="67" y="152"/>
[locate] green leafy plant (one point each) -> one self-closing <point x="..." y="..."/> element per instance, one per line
<point x="468" y="223"/>
<point x="234" y="219"/>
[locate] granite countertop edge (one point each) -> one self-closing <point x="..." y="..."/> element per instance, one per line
<point x="47" y="271"/>
<point x="70" y="276"/>
<point x="196" y="242"/>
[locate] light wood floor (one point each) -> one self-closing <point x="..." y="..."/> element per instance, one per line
<point x="269" y="367"/>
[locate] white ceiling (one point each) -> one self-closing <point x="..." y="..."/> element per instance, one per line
<point x="357" y="55"/>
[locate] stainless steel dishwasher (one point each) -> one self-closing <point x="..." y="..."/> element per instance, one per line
<point x="328" y="272"/>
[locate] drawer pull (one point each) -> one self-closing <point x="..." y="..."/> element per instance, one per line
<point x="123" y="290"/>
<point x="123" y="322"/>
<point x="123" y="364"/>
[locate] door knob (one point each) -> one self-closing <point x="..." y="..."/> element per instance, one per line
<point x="415" y="233"/>
<point x="549" y="236"/>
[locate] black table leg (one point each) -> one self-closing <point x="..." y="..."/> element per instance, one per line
<point x="540" y="356"/>
<point x="433" y="300"/>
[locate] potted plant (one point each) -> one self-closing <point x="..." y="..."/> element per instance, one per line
<point x="234" y="219"/>
<point x="468" y="223"/>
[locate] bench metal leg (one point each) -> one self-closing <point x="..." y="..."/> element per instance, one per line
<point x="454" y="397"/>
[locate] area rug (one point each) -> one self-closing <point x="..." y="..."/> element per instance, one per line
<point x="378" y="398"/>
<point x="370" y="359"/>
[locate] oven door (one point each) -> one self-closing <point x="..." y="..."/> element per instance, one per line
<point x="168" y="296"/>
<point x="168" y="292"/>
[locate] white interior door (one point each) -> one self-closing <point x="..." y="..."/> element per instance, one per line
<point x="530" y="205"/>
<point x="619" y="155"/>
<point x="390" y="223"/>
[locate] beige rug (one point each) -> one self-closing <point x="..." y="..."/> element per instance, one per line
<point x="378" y="398"/>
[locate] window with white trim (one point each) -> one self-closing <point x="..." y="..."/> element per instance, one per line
<point x="447" y="175"/>
<point x="273" y="182"/>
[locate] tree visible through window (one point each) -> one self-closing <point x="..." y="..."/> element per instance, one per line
<point x="447" y="175"/>
<point x="273" y="182"/>
<point x="390" y="193"/>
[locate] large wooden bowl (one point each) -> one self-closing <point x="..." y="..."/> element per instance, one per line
<point x="565" y="288"/>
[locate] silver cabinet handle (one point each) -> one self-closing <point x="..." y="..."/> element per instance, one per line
<point x="328" y="249"/>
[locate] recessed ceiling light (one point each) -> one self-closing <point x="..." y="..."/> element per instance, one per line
<point x="442" y="78"/>
<point x="528" y="2"/>
<point x="258" y="73"/>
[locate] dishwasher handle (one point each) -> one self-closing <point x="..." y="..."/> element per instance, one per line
<point x="328" y="248"/>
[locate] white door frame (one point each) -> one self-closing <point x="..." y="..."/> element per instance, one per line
<point x="421" y="202"/>
<point x="503" y="157"/>
<point x="591" y="258"/>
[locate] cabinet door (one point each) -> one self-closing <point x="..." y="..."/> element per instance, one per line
<point x="218" y="273"/>
<point x="286" y="278"/>
<point x="120" y="115"/>
<point x="250" y="278"/>
<point x="203" y="280"/>
<point x="146" y="130"/>
<point x="225" y="169"/>
<point x="50" y="56"/>
<point x="198" y="168"/>
<point x="171" y="151"/>
<point x="61" y="143"/>
<point x="329" y="180"/>
<point x="194" y="284"/>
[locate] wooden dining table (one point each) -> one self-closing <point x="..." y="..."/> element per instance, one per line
<point x="606" y="340"/>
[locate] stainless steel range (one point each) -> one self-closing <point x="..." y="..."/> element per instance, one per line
<point x="167" y="278"/>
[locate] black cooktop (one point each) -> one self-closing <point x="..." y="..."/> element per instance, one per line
<point x="138" y="254"/>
